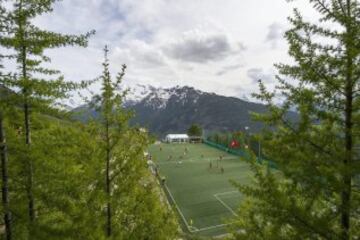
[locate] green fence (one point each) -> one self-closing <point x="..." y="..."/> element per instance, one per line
<point x="237" y="152"/>
<point x="241" y="153"/>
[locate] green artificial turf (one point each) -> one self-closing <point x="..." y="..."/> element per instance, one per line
<point x="203" y="196"/>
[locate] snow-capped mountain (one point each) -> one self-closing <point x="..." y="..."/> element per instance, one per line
<point x="173" y="110"/>
<point x="157" y="98"/>
<point x="137" y="93"/>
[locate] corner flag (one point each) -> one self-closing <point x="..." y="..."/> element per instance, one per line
<point x="234" y="144"/>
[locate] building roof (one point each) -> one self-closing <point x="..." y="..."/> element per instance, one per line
<point x="174" y="136"/>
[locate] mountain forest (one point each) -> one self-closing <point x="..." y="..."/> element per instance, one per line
<point x="85" y="172"/>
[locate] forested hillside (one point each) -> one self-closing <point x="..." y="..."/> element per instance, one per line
<point x="62" y="179"/>
<point x="69" y="183"/>
<point x="271" y="171"/>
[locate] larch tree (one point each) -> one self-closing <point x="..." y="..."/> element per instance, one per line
<point x="6" y="212"/>
<point x="314" y="194"/>
<point x="113" y="123"/>
<point x="39" y="87"/>
<point x="134" y="209"/>
<point x="5" y="180"/>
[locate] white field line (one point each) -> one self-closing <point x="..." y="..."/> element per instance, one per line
<point x="224" y="204"/>
<point x="225" y="193"/>
<point x="190" y="228"/>
<point x="212" y="227"/>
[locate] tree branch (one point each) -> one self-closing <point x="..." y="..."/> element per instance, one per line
<point x="341" y="7"/>
<point x="307" y="140"/>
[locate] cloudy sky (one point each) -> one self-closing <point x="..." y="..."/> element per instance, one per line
<point x="221" y="46"/>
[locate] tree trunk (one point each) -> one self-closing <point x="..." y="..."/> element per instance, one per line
<point x="31" y="208"/>
<point x="347" y="176"/>
<point x="5" y="186"/>
<point x="346" y="192"/>
<point x="29" y="187"/>
<point x="108" y="184"/>
<point x="108" y="207"/>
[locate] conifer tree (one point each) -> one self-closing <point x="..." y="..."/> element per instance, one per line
<point x="4" y="161"/>
<point x="112" y="122"/>
<point x="66" y="160"/>
<point x="37" y="92"/>
<point x="3" y="144"/>
<point x="133" y="208"/>
<point x="5" y="181"/>
<point x="315" y="192"/>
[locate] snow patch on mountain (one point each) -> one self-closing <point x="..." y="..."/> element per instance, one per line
<point x="158" y="98"/>
<point x="137" y="93"/>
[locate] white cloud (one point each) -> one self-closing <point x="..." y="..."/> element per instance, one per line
<point x="256" y="74"/>
<point x="201" y="47"/>
<point x="171" y="42"/>
<point x="229" y="68"/>
<point x="139" y="54"/>
<point x="275" y="34"/>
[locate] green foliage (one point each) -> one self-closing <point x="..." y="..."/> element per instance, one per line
<point x="33" y="86"/>
<point x="63" y="168"/>
<point x="195" y="130"/>
<point x="39" y="86"/>
<point x="245" y="141"/>
<point x="70" y="184"/>
<point x="315" y="195"/>
<point x="129" y="192"/>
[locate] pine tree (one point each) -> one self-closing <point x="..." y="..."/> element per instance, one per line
<point x="315" y="192"/>
<point x="5" y="181"/>
<point x="3" y="144"/>
<point x="112" y="122"/>
<point x="65" y="155"/>
<point x="133" y="210"/>
<point x="4" y="161"/>
<point x="29" y="43"/>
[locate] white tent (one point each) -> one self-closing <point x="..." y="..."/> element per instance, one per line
<point x="177" y="138"/>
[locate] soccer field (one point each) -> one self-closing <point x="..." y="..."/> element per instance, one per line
<point x="203" y="196"/>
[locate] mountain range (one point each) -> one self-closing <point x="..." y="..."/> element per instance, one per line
<point x="173" y="110"/>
